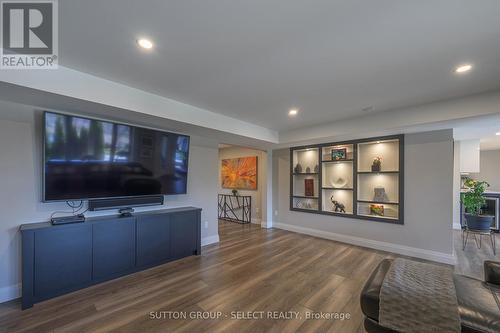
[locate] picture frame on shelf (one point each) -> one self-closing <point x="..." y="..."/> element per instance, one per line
<point x="309" y="187"/>
<point x="339" y="154"/>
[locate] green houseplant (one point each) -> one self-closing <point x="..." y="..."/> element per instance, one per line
<point x="473" y="200"/>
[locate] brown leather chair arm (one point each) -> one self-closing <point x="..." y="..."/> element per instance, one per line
<point x="492" y="272"/>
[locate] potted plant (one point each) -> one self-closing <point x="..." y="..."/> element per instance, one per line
<point x="473" y="200"/>
<point x="377" y="164"/>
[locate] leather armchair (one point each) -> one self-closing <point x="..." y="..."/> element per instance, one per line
<point x="492" y="272"/>
<point x="477" y="304"/>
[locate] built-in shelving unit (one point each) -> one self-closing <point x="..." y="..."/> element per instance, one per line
<point x="342" y="179"/>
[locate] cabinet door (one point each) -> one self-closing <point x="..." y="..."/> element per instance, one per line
<point x="184" y="231"/>
<point x="153" y="239"/>
<point x="62" y="260"/>
<point x="113" y="247"/>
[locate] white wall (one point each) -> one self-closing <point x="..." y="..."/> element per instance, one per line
<point x="257" y="195"/>
<point x="427" y="232"/>
<point x="20" y="202"/>
<point x="490" y="162"/>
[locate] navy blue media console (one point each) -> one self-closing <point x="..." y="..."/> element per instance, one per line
<point x="63" y="258"/>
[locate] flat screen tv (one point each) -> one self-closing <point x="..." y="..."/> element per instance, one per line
<point x="89" y="159"/>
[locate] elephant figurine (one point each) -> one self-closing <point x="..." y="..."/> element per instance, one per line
<point x="339" y="207"/>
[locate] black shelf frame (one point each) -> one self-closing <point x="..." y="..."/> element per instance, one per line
<point x="338" y="161"/>
<point x="306" y="197"/>
<point x="354" y="189"/>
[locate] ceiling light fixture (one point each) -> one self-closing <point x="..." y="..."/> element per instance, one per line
<point x="145" y="43"/>
<point x="497" y="133"/>
<point x="463" y="68"/>
<point x="293" y="112"/>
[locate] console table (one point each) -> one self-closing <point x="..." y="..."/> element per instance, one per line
<point x="63" y="258"/>
<point x="235" y="208"/>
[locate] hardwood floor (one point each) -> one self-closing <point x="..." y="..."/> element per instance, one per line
<point x="250" y="270"/>
<point x="470" y="260"/>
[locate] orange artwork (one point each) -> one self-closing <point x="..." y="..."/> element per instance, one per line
<point x="239" y="173"/>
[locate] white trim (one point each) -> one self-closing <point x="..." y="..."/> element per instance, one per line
<point x="210" y="240"/>
<point x="457" y="226"/>
<point x="373" y="244"/>
<point x="10" y="292"/>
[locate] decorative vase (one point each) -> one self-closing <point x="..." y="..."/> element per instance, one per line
<point x="308" y="170"/>
<point x="298" y="168"/>
<point x="376" y="167"/>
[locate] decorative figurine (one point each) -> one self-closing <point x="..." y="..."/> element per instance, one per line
<point x="235" y="192"/>
<point x="298" y="168"/>
<point x="308" y="170"/>
<point x="339" y="207"/>
<point x="316" y="168"/>
<point x="377" y="164"/>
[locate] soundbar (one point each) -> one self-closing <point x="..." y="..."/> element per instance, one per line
<point x="117" y="203"/>
<point x="68" y="219"/>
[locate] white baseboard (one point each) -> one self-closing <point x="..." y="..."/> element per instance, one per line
<point x="373" y="244"/>
<point x="10" y="292"/>
<point x="457" y="226"/>
<point x="209" y="240"/>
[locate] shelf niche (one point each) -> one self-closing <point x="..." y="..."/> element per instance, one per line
<point x="345" y="174"/>
<point x="342" y="196"/>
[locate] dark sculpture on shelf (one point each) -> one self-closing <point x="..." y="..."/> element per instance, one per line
<point x="339" y="207"/>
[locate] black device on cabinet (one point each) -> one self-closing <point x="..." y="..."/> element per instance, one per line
<point x="354" y="191"/>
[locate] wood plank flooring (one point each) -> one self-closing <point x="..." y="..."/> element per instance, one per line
<point x="470" y="260"/>
<point x="250" y="270"/>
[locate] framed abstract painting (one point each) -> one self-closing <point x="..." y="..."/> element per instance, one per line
<point x="239" y="173"/>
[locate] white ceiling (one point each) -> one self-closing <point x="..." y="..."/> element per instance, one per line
<point x="482" y="128"/>
<point x="253" y="60"/>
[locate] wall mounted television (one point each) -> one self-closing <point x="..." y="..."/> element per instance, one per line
<point x="87" y="158"/>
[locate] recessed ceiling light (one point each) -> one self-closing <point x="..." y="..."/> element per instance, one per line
<point x="497" y="133"/>
<point x="145" y="43"/>
<point x="463" y="68"/>
<point x="293" y="112"/>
